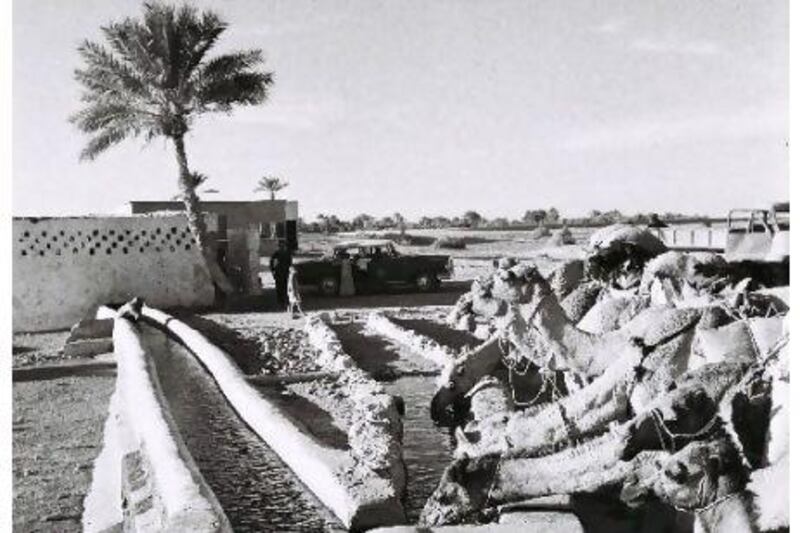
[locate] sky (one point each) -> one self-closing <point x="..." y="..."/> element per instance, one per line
<point x="430" y="108"/>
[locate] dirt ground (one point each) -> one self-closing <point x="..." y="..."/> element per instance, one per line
<point x="260" y="342"/>
<point x="56" y="434"/>
<point x="38" y="348"/>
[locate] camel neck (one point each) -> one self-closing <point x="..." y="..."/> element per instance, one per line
<point x="565" y="341"/>
<point x="730" y="514"/>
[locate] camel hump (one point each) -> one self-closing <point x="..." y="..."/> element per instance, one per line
<point x="580" y="300"/>
<point x="672" y="323"/>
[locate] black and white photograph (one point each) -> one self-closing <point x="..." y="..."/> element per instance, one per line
<point x="398" y="266"/>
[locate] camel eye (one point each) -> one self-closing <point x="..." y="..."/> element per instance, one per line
<point x="451" y="384"/>
<point x="677" y="472"/>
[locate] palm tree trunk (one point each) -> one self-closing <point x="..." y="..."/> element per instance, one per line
<point x="271" y="195"/>
<point x="194" y="216"/>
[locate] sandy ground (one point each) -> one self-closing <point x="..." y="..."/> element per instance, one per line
<point x="57" y="433"/>
<point x="38" y="348"/>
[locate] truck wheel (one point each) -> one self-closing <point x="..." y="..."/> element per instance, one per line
<point x="329" y="286"/>
<point x="425" y="282"/>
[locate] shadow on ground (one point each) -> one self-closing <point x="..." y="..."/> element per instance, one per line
<point x="313" y="418"/>
<point x="445" y="296"/>
<point x="452" y="338"/>
<point x="245" y="352"/>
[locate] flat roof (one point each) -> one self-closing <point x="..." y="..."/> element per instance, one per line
<point x="359" y="244"/>
<point x="178" y="202"/>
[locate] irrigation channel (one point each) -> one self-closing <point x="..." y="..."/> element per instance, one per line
<point x="427" y="449"/>
<point x="257" y="491"/>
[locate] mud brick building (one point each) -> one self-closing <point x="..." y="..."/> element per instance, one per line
<point x="246" y="231"/>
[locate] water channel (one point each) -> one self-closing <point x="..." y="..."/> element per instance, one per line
<point x="257" y="491"/>
<point x="255" y="488"/>
<point x="427" y="449"/>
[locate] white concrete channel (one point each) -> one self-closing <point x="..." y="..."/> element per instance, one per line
<point x="144" y="478"/>
<point x="361" y="501"/>
<point x="139" y="419"/>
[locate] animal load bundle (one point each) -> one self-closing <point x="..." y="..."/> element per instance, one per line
<point x="666" y="381"/>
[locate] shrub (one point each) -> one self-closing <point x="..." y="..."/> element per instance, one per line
<point x="450" y="243"/>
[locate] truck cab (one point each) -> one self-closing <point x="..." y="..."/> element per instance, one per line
<point x="758" y="234"/>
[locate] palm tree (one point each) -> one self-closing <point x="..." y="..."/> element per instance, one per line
<point x="270" y="184"/>
<point x="153" y="79"/>
<point x="197" y="179"/>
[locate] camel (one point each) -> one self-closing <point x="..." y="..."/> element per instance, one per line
<point x="769" y="486"/>
<point x="696" y="422"/>
<point x="617" y="254"/>
<point x="591" y="410"/>
<point x="700" y="475"/>
<point x="530" y="317"/>
<point x="684" y="279"/>
<point x="705" y="477"/>
<point x="632" y="454"/>
<point x="537" y="327"/>
<point x="581" y="300"/>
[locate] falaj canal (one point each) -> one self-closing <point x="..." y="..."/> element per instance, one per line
<point x="256" y="489"/>
<point x="427" y="449"/>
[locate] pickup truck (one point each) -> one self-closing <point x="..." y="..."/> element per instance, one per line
<point x="376" y="266"/>
<point x="755" y="241"/>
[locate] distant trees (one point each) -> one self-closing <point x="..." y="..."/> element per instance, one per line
<point x="473" y="219"/>
<point x="270" y="184"/>
<point x="363" y="222"/>
<point x="500" y="223"/>
<point x="534" y="216"/>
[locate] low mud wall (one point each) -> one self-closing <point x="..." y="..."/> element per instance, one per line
<point x="63" y="268"/>
<point x="375" y="438"/>
<point x="144" y="478"/>
<point x="357" y="485"/>
<point x="421" y="344"/>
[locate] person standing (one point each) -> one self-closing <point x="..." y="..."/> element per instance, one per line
<point x="279" y="264"/>
<point x="346" y="285"/>
<point x="293" y="293"/>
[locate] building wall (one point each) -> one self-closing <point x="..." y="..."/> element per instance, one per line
<point x="63" y="268"/>
<point x="238" y="214"/>
<point x="276" y="220"/>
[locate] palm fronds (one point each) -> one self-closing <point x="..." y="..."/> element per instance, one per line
<point x="153" y="76"/>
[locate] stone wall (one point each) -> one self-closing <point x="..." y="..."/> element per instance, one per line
<point x="63" y="268"/>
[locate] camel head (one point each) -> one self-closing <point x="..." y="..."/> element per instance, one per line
<point x="450" y="404"/>
<point x="516" y="283"/>
<point x="462" y="492"/>
<point x="697" y="476"/>
<point x="691" y="414"/>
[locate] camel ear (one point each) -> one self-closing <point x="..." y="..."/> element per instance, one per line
<point x="461" y="438"/>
